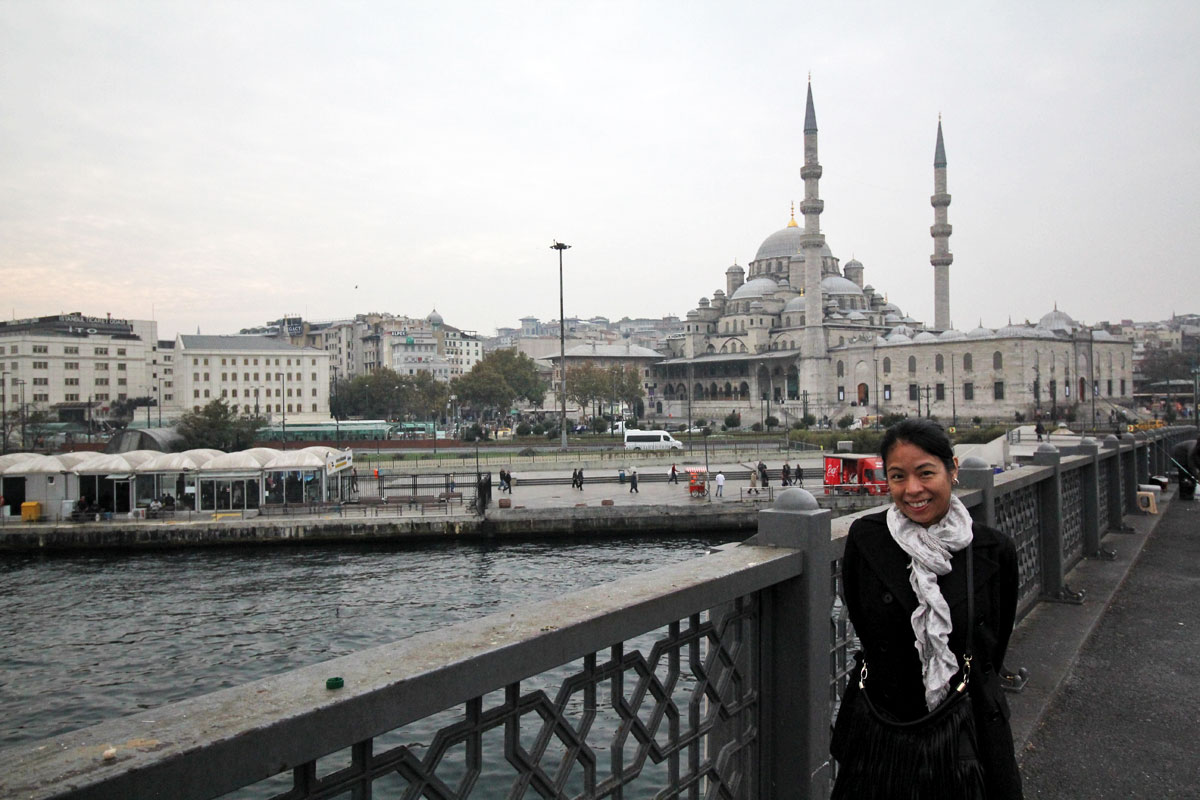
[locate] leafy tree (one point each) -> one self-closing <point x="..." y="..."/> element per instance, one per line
<point x="497" y="380"/>
<point x="846" y="421"/>
<point x="218" y="426"/>
<point x="586" y="384"/>
<point x="772" y="422"/>
<point x="733" y="420"/>
<point x="1163" y="365"/>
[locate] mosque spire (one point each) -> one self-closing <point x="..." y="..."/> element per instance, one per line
<point x="941" y="229"/>
<point x="792" y="222"/>
<point x="810" y="114"/>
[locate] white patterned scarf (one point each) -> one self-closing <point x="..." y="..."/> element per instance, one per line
<point x="930" y="549"/>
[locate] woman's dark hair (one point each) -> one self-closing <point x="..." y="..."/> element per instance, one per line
<point x="923" y="433"/>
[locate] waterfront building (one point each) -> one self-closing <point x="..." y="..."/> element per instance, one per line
<point x="254" y="375"/>
<point x="80" y="367"/>
<point x="603" y="356"/>
<point x="796" y="332"/>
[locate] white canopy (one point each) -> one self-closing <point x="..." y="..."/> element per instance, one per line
<point x="174" y="462"/>
<point x="103" y="464"/>
<point x="37" y="465"/>
<point x="296" y="459"/>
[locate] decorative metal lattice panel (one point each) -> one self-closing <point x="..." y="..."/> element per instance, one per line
<point x="1126" y="466"/>
<point x="1017" y="515"/>
<point x="670" y="714"/>
<point x="1105" y="477"/>
<point x="1072" y="519"/>
<point x="843" y="645"/>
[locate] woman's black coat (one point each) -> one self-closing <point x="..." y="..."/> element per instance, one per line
<point x="880" y="602"/>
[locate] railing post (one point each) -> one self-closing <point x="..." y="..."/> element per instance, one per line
<point x="1129" y="471"/>
<point x="975" y="473"/>
<point x="1089" y="484"/>
<point x="1114" y="483"/>
<point x="794" y="758"/>
<point x="1050" y="514"/>
<point x="1141" y="449"/>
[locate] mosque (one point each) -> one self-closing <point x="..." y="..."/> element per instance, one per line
<point x="799" y="333"/>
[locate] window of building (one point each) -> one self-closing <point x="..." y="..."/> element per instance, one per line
<point x="40" y="348"/>
<point x="1110" y="387"/>
<point x="101" y="396"/>
<point x="968" y="363"/>
<point x="887" y="391"/>
<point x="41" y="365"/>
<point x="939" y="392"/>
<point x="120" y="351"/>
<point x="998" y="390"/>
<point x="914" y="392"/>
<point x="206" y="377"/>
<point x="841" y="369"/>
<point x="121" y="367"/>
<point x="1122" y="384"/>
<point x="120" y="381"/>
<point x="75" y="382"/>
<point x="102" y="381"/>
<point x="41" y="398"/>
<point x="912" y="364"/>
<point x="195" y="392"/>
<point x="968" y="391"/>
<point x="206" y="393"/>
<point x="841" y="393"/>
<point x="122" y="396"/>
<point x="102" y="366"/>
<point x="41" y="381"/>
<point x="70" y="397"/>
<point x="101" y="351"/>
<point x="939" y="362"/>
<point x="997" y="360"/>
<point x="70" y="351"/>
<point x="224" y="376"/>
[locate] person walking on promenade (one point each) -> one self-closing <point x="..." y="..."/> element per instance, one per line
<point x="674" y="475"/>
<point x="785" y="475"/>
<point x="581" y="479"/>
<point x="753" y="481"/>
<point x="1039" y="429"/>
<point x="575" y="478"/>
<point x="932" y="596"/>
<point x="633" y="482"/>
<point x="762" y="474"/>
<point x="505" y="486"/>
<point x="720" y="484"/>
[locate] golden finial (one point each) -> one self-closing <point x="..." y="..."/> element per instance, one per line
<point x="792" y="222"/>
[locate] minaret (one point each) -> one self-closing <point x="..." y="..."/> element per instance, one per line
<point x="942" y="258"/>
<point x="811" y="245"/>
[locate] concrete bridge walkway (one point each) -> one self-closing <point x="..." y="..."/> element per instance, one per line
<point x="1112" y="708"/>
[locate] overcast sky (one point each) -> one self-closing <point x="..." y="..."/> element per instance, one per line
<point x="215" y="165"/>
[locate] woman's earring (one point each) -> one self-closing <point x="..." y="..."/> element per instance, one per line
<point x="955" y="482"/>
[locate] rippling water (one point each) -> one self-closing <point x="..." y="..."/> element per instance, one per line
<point x="87" y="638"/>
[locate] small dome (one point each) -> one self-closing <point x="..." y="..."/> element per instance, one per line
<point x="891" y="308"/>
<point x="891" y="319"/>
<point x="785" y="243"/>
<point x="902" y="330"/>
<point x="719" y="294"/>
<point x="951" y="335"/>
<point x="1011" y="331"/>
<point x="795" y="304"/>
<point x="703" y="302"/>
<point x="735" y="270"/>
<point x="856" y="316"/>
<point x="925" y="336"/>
<point x="880" y="340"/>
<point x="854" y="262"/>
<point x="1058" y="321"/>
<point x="754" y="288"/>
<point x="837" y="285"/>
<point x="1103" y="336"/>
<point x="980" y="333"/>
<point x="434" y="318"/>
<point x="756" y="305"/>
<point x="898" y="338"/>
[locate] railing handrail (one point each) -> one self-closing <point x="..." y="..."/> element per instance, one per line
<point x="258" y="729"/>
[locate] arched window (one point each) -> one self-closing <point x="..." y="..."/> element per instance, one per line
<point x="841" y="369"/>
<point x="912" y="363"/>
<point x="968" y="363"/>
<point x="997" y="360"/>
<point x="939" y="363"/>
<point x="887" y="366"/>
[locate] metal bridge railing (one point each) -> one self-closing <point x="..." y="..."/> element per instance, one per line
<point x="717" y="677"/>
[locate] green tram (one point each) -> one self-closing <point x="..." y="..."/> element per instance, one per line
<point x="349" y="430"/>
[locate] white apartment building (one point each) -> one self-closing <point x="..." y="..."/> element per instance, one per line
<point x="254" y="374"/>
<point x="78" y="366"/>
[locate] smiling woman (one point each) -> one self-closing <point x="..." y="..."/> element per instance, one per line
<point x="932" y="597"/>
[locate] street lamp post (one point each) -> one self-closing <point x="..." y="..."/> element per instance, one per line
<point x="21" y="382"/>
<point x="562" y="344"/>
<point x="4" y="412"/>
<point x="160" y="401"/>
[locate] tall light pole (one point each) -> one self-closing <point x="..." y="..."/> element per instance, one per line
<point x="4" y="412"/>
<point x="21" y="382"/>
<point x="562" y="345"/>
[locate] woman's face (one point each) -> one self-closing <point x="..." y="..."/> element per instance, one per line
<point x="919" y="483"/>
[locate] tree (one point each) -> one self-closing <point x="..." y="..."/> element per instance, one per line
<point x="218" y="426"/>
<point x="498" y="379"/>
<point x="1163" y="365"/>
<point x="586" y="384"/>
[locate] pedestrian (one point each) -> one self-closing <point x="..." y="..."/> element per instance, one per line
<point x="504" y="486"/>
<point x="753" y="482"/>
<point x="574" y="478"/>
<point x="1039" y="429"/>
<point x="581" y="479"/>
<point x="354" y="480"/>
<point x="762" y="474"/>
<point x="785" y="475"/>
<point x="927" y="590"/>
<point x="674" y="476"/>
<point x="633" y="481"/>
<point x="720" y="483"/>
<point x="511" y="480"/>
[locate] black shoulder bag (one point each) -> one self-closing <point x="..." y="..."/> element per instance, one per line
<point x="934" y="756"/>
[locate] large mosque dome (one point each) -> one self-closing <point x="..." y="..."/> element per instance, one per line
<point x="754" y="288"/>
<point x="1058" y="321"/>
<point x="785" y="244"/>
<point x="836" y="284"/>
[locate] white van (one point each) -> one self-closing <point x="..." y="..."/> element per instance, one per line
<point x="651" y="440"/>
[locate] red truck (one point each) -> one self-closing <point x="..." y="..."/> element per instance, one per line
<point x="852" y="473"/>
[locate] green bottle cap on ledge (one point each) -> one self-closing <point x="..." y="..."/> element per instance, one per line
<point x="334" y="683"/>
